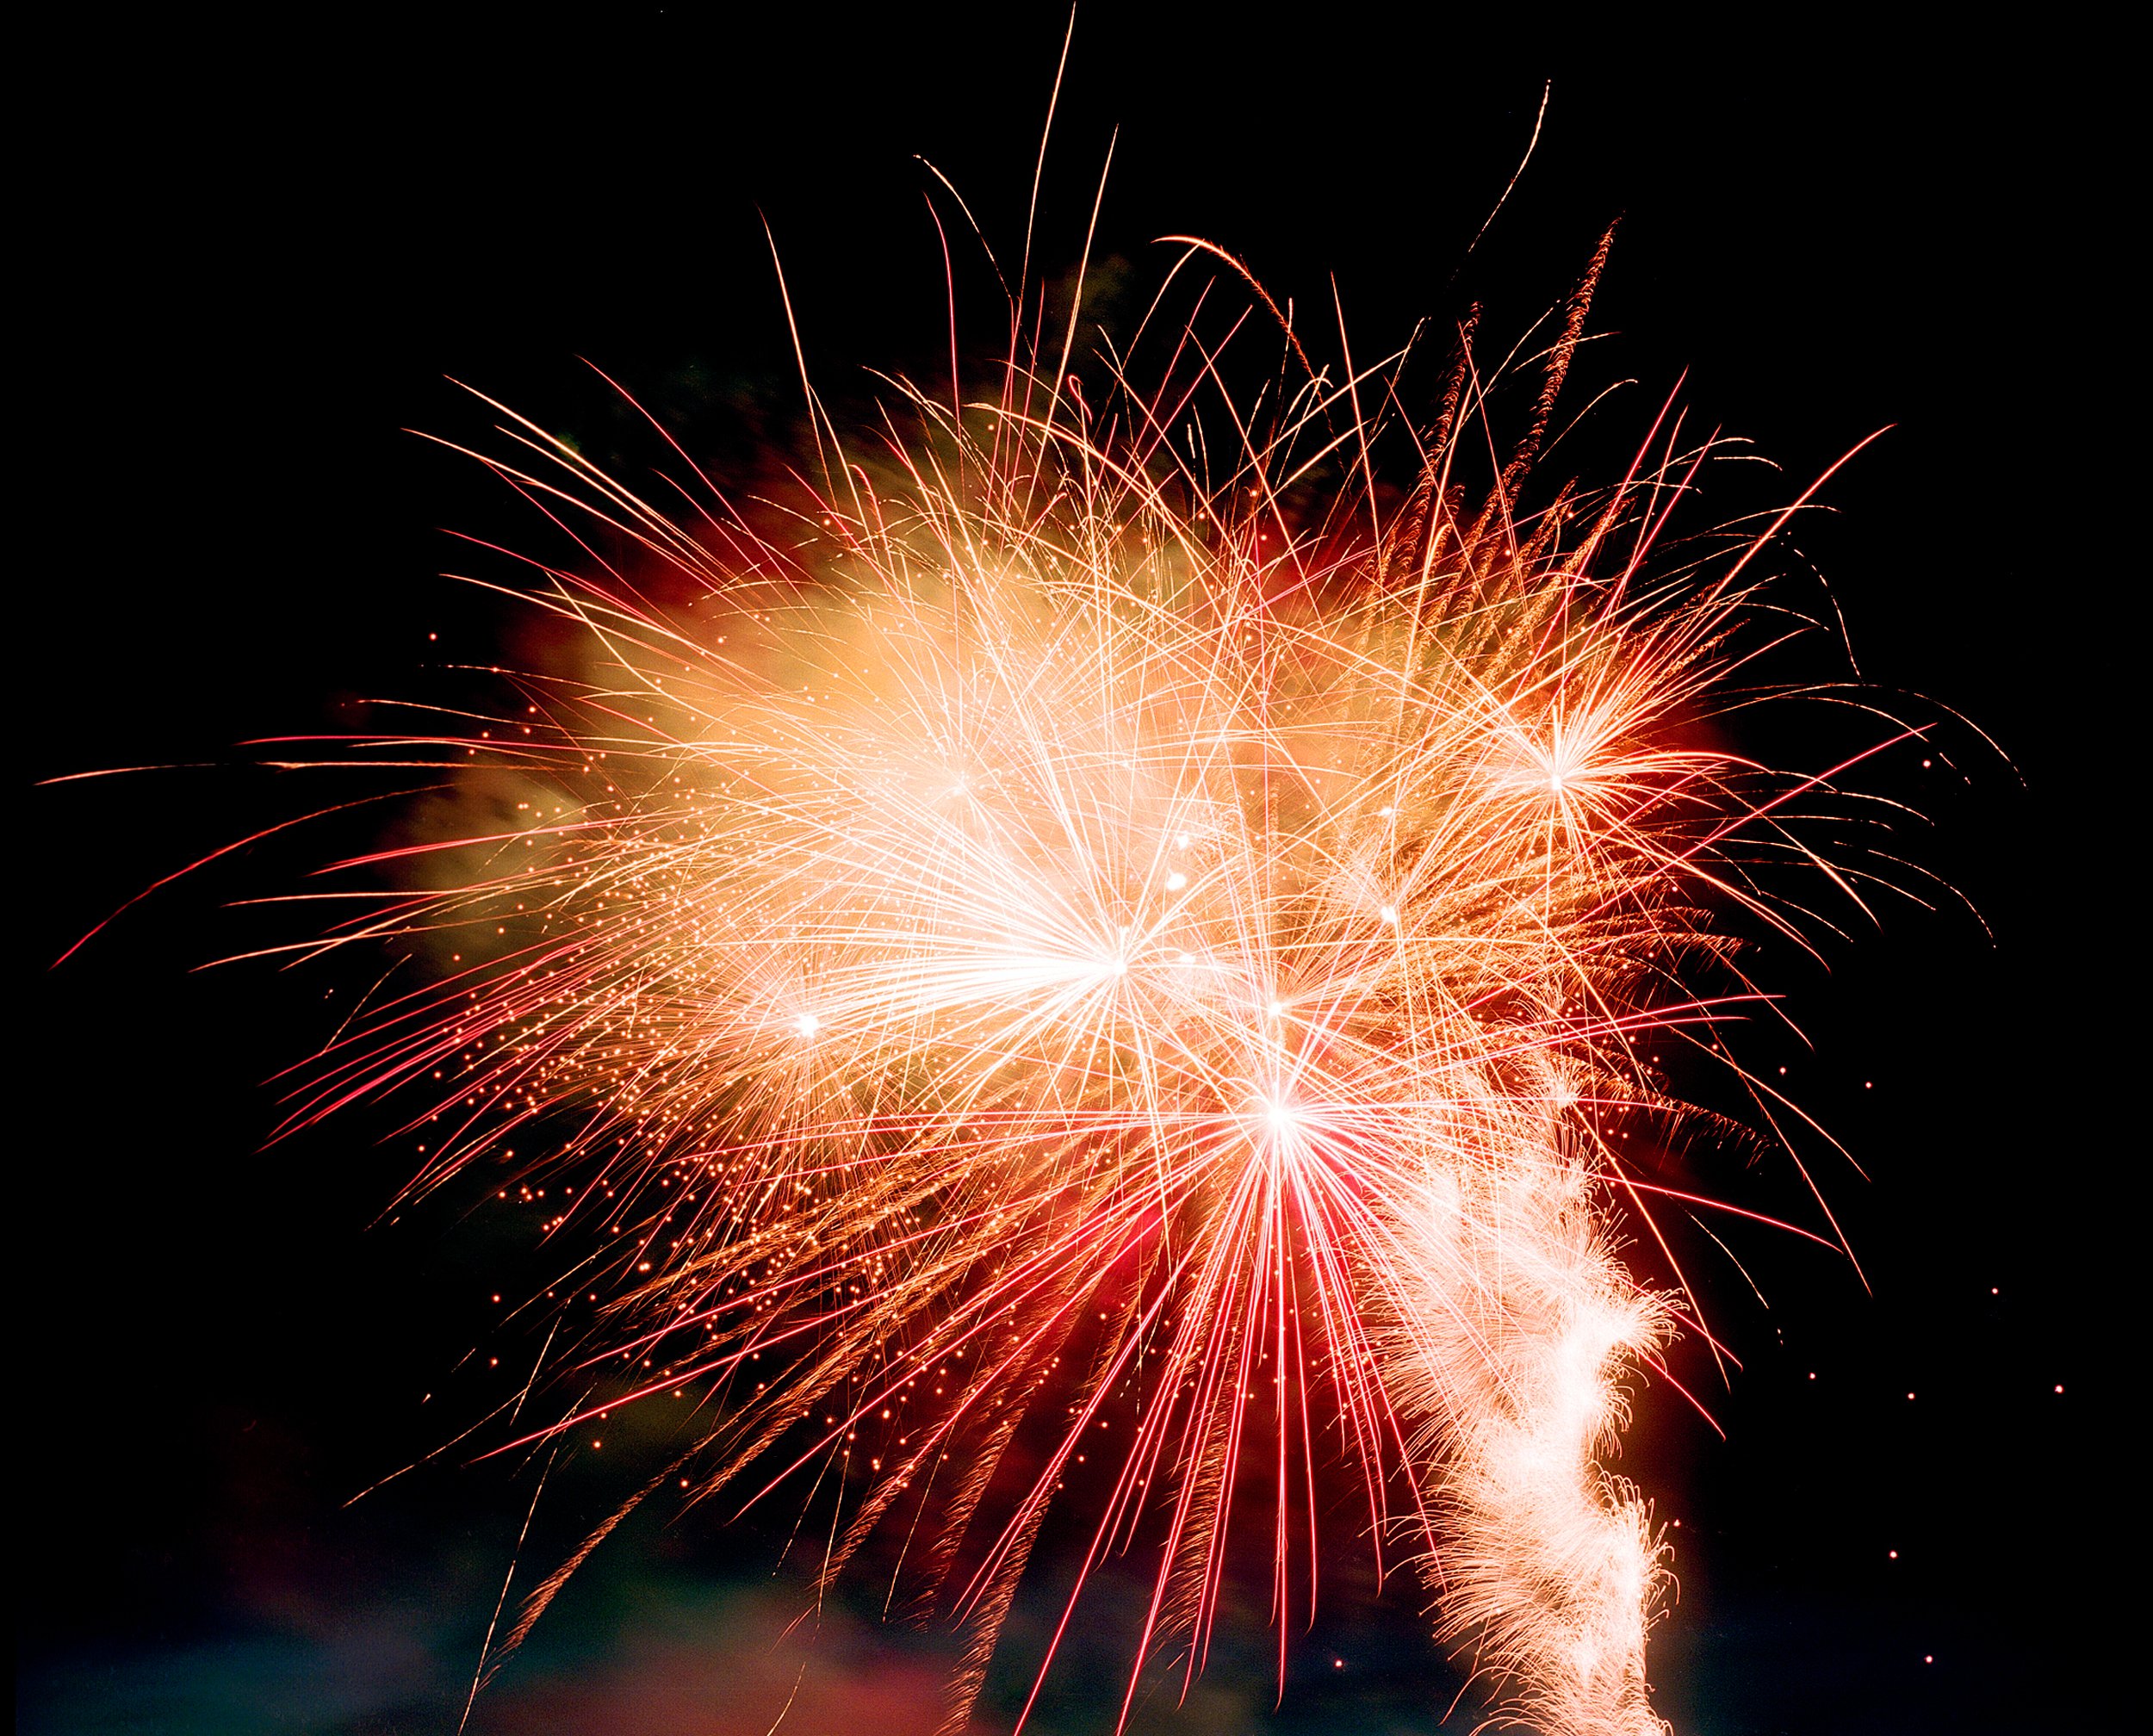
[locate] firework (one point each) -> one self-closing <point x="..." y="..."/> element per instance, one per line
<point x="1100" y="952"/>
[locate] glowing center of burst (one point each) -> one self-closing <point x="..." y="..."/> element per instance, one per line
<point x="1563" y="767"/>
<point x="807" y="1024"/>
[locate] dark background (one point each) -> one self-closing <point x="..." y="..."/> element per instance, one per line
<point x="256" y="252"/>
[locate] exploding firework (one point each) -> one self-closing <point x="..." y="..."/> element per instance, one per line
<point x="1100" y="950"/>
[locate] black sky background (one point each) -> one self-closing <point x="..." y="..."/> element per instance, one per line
<point x="256" y="252"/>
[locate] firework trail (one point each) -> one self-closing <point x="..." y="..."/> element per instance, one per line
<point x="1103" y="951"/>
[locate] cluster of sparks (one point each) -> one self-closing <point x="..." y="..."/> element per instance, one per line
<point x="1109" y="953"/>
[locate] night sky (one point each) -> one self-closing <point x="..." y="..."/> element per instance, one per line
<point x="259" y="254"/>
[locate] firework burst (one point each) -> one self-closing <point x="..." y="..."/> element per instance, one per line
<point x="1102" y="939"/>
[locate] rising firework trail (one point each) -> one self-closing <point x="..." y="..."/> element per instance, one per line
<point x="1104" y="951"/>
